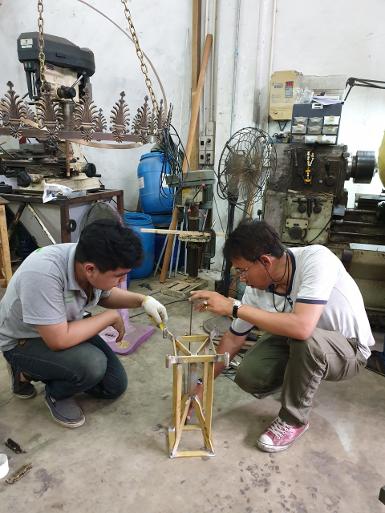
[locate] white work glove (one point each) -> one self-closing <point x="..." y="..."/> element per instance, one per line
<point x="154" y="309"/>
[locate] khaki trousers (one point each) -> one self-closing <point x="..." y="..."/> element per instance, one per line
<point x="299" y="366"/>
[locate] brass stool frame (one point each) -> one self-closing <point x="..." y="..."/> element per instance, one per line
<point x="188" y="367"/>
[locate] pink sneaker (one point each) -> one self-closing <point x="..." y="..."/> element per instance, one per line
<point x="280" y="436"/>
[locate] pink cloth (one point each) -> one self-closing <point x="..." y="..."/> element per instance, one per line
<point x="134" y="336"/>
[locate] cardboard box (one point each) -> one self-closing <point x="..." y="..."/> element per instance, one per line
<point x="283" y="86"/>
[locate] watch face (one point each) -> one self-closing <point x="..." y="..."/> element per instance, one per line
<point x="235" y="309"/>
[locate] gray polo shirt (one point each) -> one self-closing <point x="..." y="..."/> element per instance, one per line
<point x="43" y="291"/>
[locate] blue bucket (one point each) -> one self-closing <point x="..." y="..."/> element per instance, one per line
<point x="155" y="197"/>
<point x="136" y="221"/>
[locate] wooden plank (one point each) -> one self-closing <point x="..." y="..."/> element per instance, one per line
<point x="165" y="231"/>
<point x="197" y="100"/>
<point x="190" y="140"/>
<point x="167" y="253"/>
<point x="195" y="65"/>
<point x="5" y="253"/>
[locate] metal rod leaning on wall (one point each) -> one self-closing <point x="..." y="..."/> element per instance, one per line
<point x="35" y="215"/>
<point x="196" y="99"/>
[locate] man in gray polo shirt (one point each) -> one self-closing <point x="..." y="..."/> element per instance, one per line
<point x="43" y="333"/>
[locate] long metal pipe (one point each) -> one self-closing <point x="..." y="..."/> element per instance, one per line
<point x="265" y="52"/>
<point x="235" y="65"/>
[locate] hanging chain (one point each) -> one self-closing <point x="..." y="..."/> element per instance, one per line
<point x="40" y="23"/>
<point x="140" y="55"/>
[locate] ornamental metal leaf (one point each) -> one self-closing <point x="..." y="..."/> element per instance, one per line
<point x="120" y="118"/>
<point x="3" y="113"/>
<point x="153" y="124"/>
<point x="141" y="121"/>
<point x="30" y="114"/>
<point x="161" y="116"/>
<point x="13" y="109"/>
<point x="48" y="113"/>
<point x="86" y="115"/>
<point x="101" y="122"/>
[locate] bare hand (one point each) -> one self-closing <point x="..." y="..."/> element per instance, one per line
<point x="118" y="325"/>
<point x="212" y="301"/>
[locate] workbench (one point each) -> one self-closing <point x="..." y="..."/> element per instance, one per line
<point x="59" y="220"/>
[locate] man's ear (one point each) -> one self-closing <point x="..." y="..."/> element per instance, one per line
<point x="265" y="260"/>
<point x="89" y="267"/>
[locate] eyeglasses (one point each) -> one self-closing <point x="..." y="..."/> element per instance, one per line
<point x="241" y="273"/>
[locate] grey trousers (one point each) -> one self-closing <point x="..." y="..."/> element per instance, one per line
<point x="299" y="366"/>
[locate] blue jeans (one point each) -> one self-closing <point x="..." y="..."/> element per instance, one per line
<point x="90" y="367"/>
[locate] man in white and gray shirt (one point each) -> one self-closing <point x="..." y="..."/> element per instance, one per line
<point x="314" y="318"/>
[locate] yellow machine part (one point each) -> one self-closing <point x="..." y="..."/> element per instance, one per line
<point x="381" y="161"/>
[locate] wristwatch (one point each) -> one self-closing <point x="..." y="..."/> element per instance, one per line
<point x="236" y="305"/>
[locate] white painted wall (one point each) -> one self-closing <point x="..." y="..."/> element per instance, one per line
<point x="163" y="28"/>
<point x="318" y="38"/>
<point x="344" y="37"/>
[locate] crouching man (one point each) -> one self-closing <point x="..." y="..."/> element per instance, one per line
<point x="43" y="333"/>
<point x="314" y="318"/>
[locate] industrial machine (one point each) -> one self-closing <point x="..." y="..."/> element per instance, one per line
<point x="45" y="155"/>
<point x="67" y="66"/>
<point x="194" y="203"/>
<point x="53" y="121"/>
<point x="306" y="202"/>
<point x="61" y="113"/>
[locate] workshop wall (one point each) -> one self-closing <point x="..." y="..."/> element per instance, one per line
<point x="163" y="30"/>
<point x="315" y="38"/>
<point x="251" y="40"/>
<point x="339" y="38"/>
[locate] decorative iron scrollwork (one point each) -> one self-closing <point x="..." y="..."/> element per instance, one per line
<point x="13" y="111"/>
<point x="120" y="118"/>
<point x="54" y="120"/>
<point x="86" y="116"/>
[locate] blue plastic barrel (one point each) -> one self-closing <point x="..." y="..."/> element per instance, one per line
<point x="136" y="221"/>
<point x="155" y="198"/>
<point x="161" y="220"/>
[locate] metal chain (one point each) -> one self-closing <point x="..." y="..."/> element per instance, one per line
<point x="140" y="55"/>
<point x="40" y="23"/>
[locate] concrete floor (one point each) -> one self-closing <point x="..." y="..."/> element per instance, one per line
<point x="117" y="462"/>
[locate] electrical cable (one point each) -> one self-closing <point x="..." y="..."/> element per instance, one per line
<point x="323" y="229"/>
<point x="218" y="215"/>
<point x="166" y="304"/>
<point x="174" y="155"/>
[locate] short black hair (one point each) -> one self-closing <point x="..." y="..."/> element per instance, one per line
<point x="109" y="245"/>
<point x="252" y="239"/>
